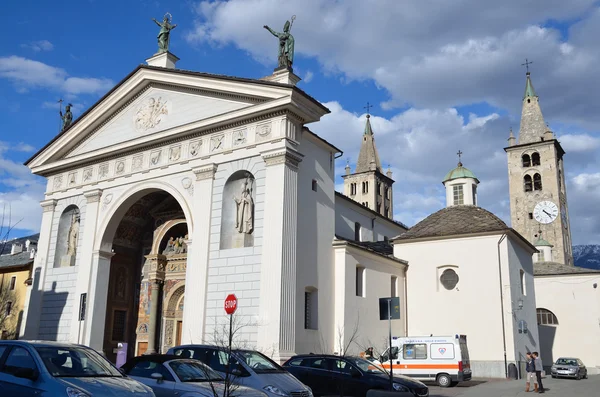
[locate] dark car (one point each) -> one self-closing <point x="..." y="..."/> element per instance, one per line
<point x="569" y="368"/>
<point x="348" y="376"/>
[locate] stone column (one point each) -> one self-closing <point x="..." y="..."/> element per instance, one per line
<point x="85" y="254"/>
<point x="194" y="307"/>
<point x="93" y="335"/>
<point x="156" y="275"/>
<point x="278" y="268"/>
<point x="32" y="314"/>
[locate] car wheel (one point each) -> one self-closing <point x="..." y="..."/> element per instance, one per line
<point x="444" y="380"/>
<point x="585" y="376"/>
<point x="553" y="376"/>
<point x="578" y="377"/>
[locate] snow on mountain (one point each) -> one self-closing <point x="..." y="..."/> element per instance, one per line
<point x="587" y="256"/>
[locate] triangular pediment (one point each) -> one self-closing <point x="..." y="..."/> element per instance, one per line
<point x="153" y="111"/>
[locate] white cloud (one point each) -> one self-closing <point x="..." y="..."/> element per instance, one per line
<point x="37" y="46"/>
<point x="26" y="74"/>
<point x="579" y="143"/>
<point x="21" y="190"/>
<point x="308" y="76"/>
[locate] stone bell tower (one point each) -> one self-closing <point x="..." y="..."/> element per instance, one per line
<point x="538" y="195"/>
<point x="368" y="185"/>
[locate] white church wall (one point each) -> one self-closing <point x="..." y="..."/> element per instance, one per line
<point x="519" y="286"/>
<point x="471" y="308"/>
<point x="576" y="304"/>
<point x="373" y="227"/>
<point x="361" y="313"/>
<point x="316" y="215"/>
<point x="235" y="270"/>
<point x="58" y="300"/>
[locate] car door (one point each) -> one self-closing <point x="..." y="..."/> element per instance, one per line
<point x="142" y="372"/>
<point x="18" y="359"/>
<point x="317" y="375"/>
<point x="347" y="378"/>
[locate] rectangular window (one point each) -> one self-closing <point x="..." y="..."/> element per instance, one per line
<point x="531" y="215"/>
<point x="314" y="185"/>
<point x="119" y="322"/>
<point x="442" y="351"/>
<point x="458" y="194"/>
<point x="8" y="308"/>
<point x="522" y="274"/>
<point x="415" y="351"/>
<point x="311" y="307"/>
<point x="13" y="281"/>
<point x="394" y="286"/>
<point x="474" y="191"/>
<point x="360" y="281"/>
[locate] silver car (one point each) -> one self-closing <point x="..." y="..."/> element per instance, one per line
<point x="249" y="368"/>
<point x="171" y="376"/>
<point x="30" y="368"/>
<point x="569" y="368"/>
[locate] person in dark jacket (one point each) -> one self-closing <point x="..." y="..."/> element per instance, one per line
<point x="530" y="369"/>
<point x="537" y="361"/>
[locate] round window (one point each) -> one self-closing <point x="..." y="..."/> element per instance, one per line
<point x="449" y="279"/>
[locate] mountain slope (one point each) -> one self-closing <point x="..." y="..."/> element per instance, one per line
<point x="587" y="256"/>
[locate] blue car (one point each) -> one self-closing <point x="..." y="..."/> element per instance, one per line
<point x="31" y="368"/>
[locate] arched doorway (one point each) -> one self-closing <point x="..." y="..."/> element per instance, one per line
<point x="149" y="240"/>
<point x="173" y="315"/>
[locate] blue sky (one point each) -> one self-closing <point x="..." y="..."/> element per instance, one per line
<point x="440" y="77"/>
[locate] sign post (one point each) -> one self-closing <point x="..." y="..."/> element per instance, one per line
<point x="389" y="309"/>
<point x="230" y="308"/>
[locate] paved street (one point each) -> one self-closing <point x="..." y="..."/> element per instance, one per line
<point x="500" y="388"/>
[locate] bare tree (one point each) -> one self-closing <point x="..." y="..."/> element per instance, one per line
<point x="6" y="226"/>
<point x="8" y="314"/>
<point x="346" y="340"/>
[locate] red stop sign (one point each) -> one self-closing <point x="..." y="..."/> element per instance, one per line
<point x="230" y="304"/>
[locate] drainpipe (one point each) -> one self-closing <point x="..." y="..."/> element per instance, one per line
<point x="502" y="306"/>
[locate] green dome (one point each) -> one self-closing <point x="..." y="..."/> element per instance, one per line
<point x="459" y="172"/>
<point x="542" y="243"/>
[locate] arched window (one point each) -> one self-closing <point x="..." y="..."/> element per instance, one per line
<point x="535" y="159"/>
<point x="546" y="317"/>
<point x="528" y="183"/>
<point x="537" y="182"/>
<point x="526" y="160"/>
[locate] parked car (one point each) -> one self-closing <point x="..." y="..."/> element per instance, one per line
<point x="172" y="376"/>
<point x="350" y="376"/>
<point x="248" y="367"/>
<point x="30" y="369"/>
<point x="568" y="368"/>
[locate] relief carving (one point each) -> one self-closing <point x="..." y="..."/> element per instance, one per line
<point x="187" y="185"/>
<point x="103" y="170"/>
<point x="138" y="162"/>
<point x="175" y="153"/>
<point x="155" y="157"/>
<point x="120" y="167"/>
<point x="216" y="142"/>
<point x="176" y="246"/>
<point x="87" y="174"/>
<point x="72" y="178"/>
<point x="239" y="137"/>
<point x="150" y="114"/>
<point x="58" y="180"/>
<point x="195" y="148"/>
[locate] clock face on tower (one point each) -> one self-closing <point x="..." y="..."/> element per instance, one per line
<point x="545" y="212"/>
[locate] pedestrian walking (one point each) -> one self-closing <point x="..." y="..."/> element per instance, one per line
<point x="530" y="369"/>
<point x="537" y="361"/>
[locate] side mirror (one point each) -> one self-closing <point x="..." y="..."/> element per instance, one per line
<point x="236" y="372"/>
<point x="26" y="373"/>
<point x="157" y="376"/>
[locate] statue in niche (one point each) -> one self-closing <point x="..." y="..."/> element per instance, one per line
<point x="170" y="248"/>
<point x="73" y="234"/>
<point x="244" y="217"/>
<point x="176" y="245"/>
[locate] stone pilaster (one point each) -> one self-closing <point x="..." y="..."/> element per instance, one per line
<point x="194" y="308"/>
<point x="93" y="334"/>
<point x="85" y="262"/>
<point x="33" y="300"/>
<point x="278" y="272"/>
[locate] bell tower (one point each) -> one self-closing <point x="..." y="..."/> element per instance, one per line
<point x="538" y="195"/>
<point x="368" y="185"/>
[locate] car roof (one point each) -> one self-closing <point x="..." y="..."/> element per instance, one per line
<point x="224" y="348"/>
<point x="311" y="355"/>
<point x="567" y="358"/>
<point x="42" y="343"/>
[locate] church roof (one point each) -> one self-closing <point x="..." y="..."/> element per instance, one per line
<point x="556" y="269"/>
<point x="382" y="248"/>
<point x="532" y="126"/>
<point x="454" y="221"/>
<point x="542" y="243"/>
<point x="529" y="91"/>
<point x="459" y="172"/>
<point x="368" y="151"/>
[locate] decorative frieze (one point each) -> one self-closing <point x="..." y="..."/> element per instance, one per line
<point x="155" y="158"/>
<point x="103" y="171"/>
<point x="216" y="142"/>
<point x="120" y="167"/>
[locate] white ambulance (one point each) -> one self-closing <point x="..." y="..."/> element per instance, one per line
<point x="444" y="359"/>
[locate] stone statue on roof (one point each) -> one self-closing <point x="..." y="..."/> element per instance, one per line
<point x="286" y="44"/>
<point x="164" y="33"/>
<point x="67" y="117"/>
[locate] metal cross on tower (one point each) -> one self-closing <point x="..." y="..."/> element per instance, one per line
<point x="459" y="158"/>
<point x="526" y="64"/>
<point x="368" y="107"/>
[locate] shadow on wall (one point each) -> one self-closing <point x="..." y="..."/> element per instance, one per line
<point x="547" y="336"/>
<point x="53" y="305"/>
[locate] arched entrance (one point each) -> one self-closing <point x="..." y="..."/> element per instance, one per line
<point x="150" y="255"/>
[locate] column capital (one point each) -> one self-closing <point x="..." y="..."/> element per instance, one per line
<point x="104" y="254"/>
<point x="287" y="156"/>
<point x="205" y="172"/>
<point x="48" y="205"/>
<point x="93" y="196"/>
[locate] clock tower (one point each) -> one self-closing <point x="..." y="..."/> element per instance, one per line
<point x="538" y="195"/>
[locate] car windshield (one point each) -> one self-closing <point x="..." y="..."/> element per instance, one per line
<point x="366" y="366"/>
<point x="190" y="371"/>
<point x="76" y="362"/>
<point x="566" y="361"/>
<point x="258" y="362"/>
